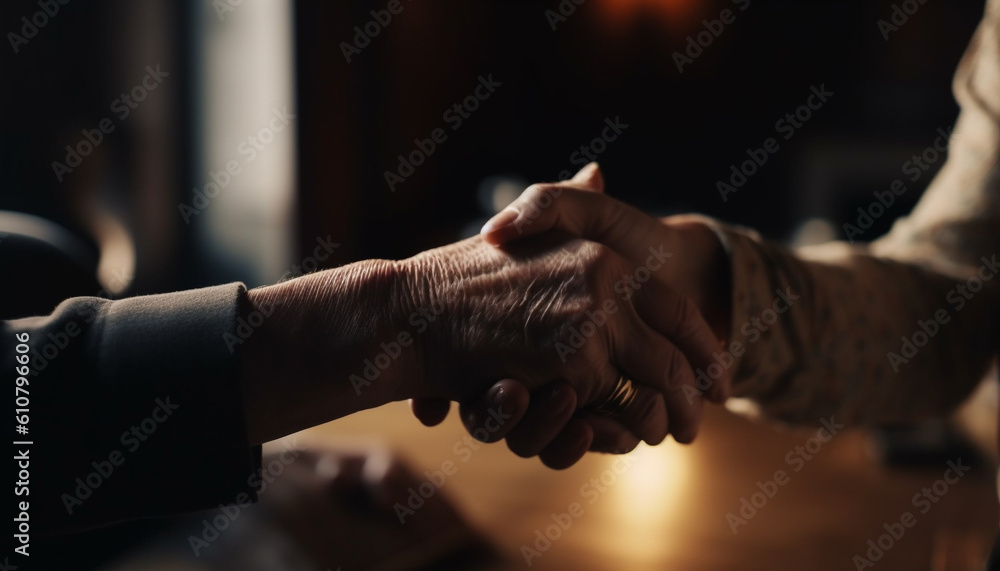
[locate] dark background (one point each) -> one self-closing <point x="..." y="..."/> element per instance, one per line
<point x="610" y="58"/>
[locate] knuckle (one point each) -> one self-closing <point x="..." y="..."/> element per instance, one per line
<point x="593" y="385"/>
<point x="685" y="316"/>
<point x="672" y="367"/>
<point x="646" y="410"/>
<point x="600" y="254"/>
<point x="675" y="372"/>
<point x="541" y="195"/>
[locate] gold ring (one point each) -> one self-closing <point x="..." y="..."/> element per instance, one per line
<point x="621" y="397"/>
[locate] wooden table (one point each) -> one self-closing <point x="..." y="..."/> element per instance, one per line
<point x="667" y="508"/>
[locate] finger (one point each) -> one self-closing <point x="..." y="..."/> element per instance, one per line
<point x="645" y="416"/>
<point x="496" y="412"/>
<point x="580" y="212"/>
<point x="548" y="413"/>
<point x="569" y="445"/>
<point x="651" y="360"/>
<point x="677" y="318"/>
<point x="589" y="178"/>
<point x="628" y="232"/>
<point x="610" y="435"/>
<point x="430" y="411"/>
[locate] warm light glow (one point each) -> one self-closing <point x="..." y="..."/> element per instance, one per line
<point x="650" y="498"/>
<point x="682" y="12"/>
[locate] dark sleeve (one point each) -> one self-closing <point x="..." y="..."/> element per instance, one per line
<point x="136" y="408"/>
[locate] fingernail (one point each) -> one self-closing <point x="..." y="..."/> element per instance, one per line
<point x="499" y="397"/>
<point x="559" y="400"/>
<point x="496" y="393"/>
<point x="501" y="220"/>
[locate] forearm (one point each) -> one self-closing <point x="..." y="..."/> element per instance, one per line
<point x="316" y="355"/>
<point x="902" y="328"/>
<point x="833" y="330"/>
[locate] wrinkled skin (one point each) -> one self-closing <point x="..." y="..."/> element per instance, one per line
<point x="506" y="316"/>
<point x="521" y="313"/>
<point x="697" y="269"/>
<point x="497" y="314"/>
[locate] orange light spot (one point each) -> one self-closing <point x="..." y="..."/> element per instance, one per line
<point x="676" y="12"/>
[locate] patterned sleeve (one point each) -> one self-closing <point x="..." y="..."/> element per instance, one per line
<point x="902" y="328"/>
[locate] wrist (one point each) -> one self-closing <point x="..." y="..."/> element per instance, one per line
<point x="703" y="270"/>
<point x="424" y="319"/>
<point x="304" y="361"/>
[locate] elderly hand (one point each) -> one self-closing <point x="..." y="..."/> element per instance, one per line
<point x="556" y="310"/>
<point x="566" y="315"/>
<point x="698" y="270"/>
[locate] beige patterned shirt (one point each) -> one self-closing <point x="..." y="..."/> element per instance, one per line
<point x="905" y="327"/>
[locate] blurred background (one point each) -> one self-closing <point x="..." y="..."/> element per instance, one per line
<point x="183" y="143"/>
<point x="233" y="63"/>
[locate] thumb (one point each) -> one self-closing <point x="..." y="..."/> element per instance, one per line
<point x="589" y="181"/>
<point x="589" y="178"/>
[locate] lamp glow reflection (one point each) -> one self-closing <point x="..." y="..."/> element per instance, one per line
<point x="683" y="12"/>
<point x="650" y="497"/>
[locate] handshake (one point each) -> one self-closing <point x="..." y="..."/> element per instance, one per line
<point x="573" y="323"/>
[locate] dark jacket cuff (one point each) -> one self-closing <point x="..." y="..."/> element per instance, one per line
<point x="153" y="412"/>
